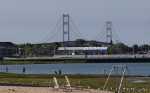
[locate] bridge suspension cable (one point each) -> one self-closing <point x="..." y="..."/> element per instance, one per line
<point x="64" y="30"/>
<point x="51" y="35"/>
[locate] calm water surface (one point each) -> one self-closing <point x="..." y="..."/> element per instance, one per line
<point x="79" y="68"/>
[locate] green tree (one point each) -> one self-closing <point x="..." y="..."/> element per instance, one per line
<point x="80" y="42"/>
<point x="118" y="48"/>
<point x="144" y="48"/>
<point x="135" y="49"/>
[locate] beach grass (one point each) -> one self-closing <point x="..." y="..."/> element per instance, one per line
<point x="87" y="81"/>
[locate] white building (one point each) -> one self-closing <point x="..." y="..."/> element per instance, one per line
<point x="82" y="50"/>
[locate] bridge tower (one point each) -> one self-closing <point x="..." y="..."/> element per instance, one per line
<point x="109" y="32"/>
<point x="66" y="28"/>
<point x="66" y="31"/>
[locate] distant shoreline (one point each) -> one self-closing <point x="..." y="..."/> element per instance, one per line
<point x="79" y="59"/>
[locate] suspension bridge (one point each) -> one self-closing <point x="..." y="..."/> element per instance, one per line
<point x="66" y="30"/>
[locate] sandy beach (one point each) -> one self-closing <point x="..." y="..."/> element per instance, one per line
<point x="19" y="89"/>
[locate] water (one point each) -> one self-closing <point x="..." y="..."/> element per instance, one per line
<point x="79" y="68"/>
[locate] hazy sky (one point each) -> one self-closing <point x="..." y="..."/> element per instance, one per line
<point x="24" y="21"/>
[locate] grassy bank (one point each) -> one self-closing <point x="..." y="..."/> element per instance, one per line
<point x="13" y="62"/>
<point x="93" y="81"/>
<point x="23" y="62"/>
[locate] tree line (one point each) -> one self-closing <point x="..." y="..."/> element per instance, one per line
<point x="49" y="49"/>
